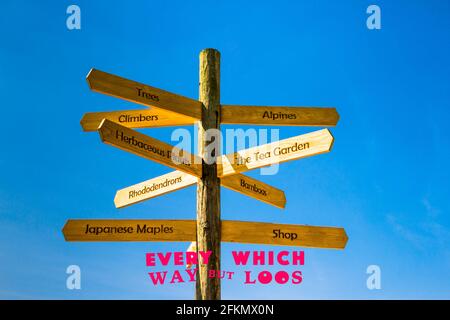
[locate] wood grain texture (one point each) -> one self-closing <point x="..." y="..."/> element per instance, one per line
<point x="255" y="189"/>
<point x="153" y="188"/>
<point x="298" y="147"/>
<point x="142" y="145"/>
<point x="208" y="187"/>
<point x="147" y="118"/>
<point x="179" y="180"/>
<point x="289" y="235"/>
<point x="114" y="230"/>
<point x="119" y="230"/>
<point x="279" y="116"/>
<point x="143" y="94"/>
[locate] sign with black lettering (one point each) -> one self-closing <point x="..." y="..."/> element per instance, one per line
<point x="142" y="145"/>
<point x="279" y="116"/>
<point x="301" y="146"/>
<point x="284" y="234"/>
<point x="130" y="230"/>
<point x="152" y="188"/>
<point x="255" y="189"/>
<point x="147" y="118"/>
<point x="146" y="95"/>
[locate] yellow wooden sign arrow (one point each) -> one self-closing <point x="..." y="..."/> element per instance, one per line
<point x="284" y="234"/>
<point x="147" y="147"/>
<point x="153" y="188"/>
<point x="301" y="146"/>
<point x="130" y="230"/>
<point x="147" y="118"/>
<point x="146" y="95"/>
<point x="279" y="116"/>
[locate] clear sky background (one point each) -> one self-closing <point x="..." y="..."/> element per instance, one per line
<point x="386" y="180"/>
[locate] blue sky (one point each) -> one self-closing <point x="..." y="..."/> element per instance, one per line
<point x="385" y="181"/>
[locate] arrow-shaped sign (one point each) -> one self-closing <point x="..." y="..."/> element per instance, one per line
<point x="149" y="148"/>
<point x="284" y="234"/>
<point x="130" y="230"/>
<point x="153" y="188"/>
<point x="301" y="146"/>
<point x="146" y="95"/>
<point x="279" y="116"/>
<point x="185" y="230"/>
<point x="147" y="118"/>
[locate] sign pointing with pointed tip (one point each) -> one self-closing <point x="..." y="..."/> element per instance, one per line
<point x="147" y="118"/>
<point x="301" y="146"/>
<point x="284" y="234"/>
<point x="146" y="95"/>
<point x="129" y="230"/>
<point x="142" y="145"/>
<point x="279" y="116"/>
<point x="153" y="188"/>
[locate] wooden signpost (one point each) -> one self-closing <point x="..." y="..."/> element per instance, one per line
<point x="185" y="230"/>
<point x="129" y="230"/>
<point x="302" y="146"/>
<point x="279" y="116"/>
<point x="175" y="180"/>
<point x="208" y="230"/>
<point x="284" y="234"/>
<point x="147" y="147"/>
<point x="148" y="118"/>
<point x="146" y="95"/>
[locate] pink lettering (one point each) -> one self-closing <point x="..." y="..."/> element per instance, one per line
<point x="159" y="278"/>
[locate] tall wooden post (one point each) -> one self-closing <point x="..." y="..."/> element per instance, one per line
<point x="208" y="187"/>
